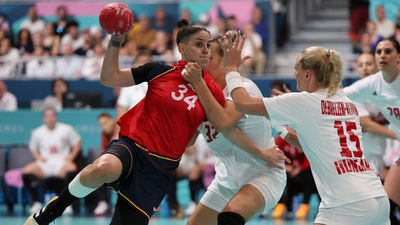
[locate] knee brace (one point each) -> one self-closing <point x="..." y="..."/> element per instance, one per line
<point x="230" y="218"/>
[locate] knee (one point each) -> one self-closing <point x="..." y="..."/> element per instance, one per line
<point x="106" y="169"/>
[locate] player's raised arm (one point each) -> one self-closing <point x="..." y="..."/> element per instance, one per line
<point x="111" y="19"/>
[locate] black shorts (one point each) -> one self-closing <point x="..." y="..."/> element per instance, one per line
<point x="145" y="176"/>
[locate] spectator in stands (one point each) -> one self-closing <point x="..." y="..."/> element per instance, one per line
<point x="37" y="41"/>
<point x="8" y="101"/>
<point x="4" y="24"/>
<point x="24" y="42"/>
<point x="9" y="59"/>
<point x="187" y="15"/>
<point x="3" y="34"/>
<point x="68" y="66"/>
<point x="109" y="132"/>
<point x="54" y="146"/>
<point x="221" y="26"/>
<point x="384" y="26"/>
<point x="59" y="87"/>
<point x="231" y="23"/>
<point x="169" y="57"/>
<point x="142" y="36"/>
<point x="51" y="41"/>
<point x="299" y="179"/>
<point x="373" y="34"/>
<point x="32" y="23"/>
<point x="260" y="25"/>
<point x="130" y="96"/>
<point x="87" y="43"/>
<point x="92" y="65"/>
<point x="72" y="36"/>
<point x="39" y="66"/>
<point x="204" y="20"/>
<point x="62" y="20"/>
<point x="279" y="8"/>
<point x="359" y="15"/>
<point x="160" y="44"/>
<point x="161" y="21"/>
<point x="253" y="47"/>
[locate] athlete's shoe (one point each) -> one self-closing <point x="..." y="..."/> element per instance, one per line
<point x="47" y="214"/>
<point x="101" y="209"/>
<point x="302" y="212"/>
<point x="190" y="208"/>
<point x="36" y="206"/>
<point x="279" y="211"/>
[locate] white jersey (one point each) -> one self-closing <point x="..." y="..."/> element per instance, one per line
<point x="54" y="144"/>
<point x="132" y="95"/>
<point x="330" y="133"/>
<point x="380" y="93"/>
<point x="234" y="167"/>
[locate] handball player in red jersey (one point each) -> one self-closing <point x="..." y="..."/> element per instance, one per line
<point x="154" y="133"/>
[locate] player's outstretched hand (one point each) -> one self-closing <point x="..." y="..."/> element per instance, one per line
<point x="232" y="51"/>
<point x="192" y="73"/>
<point x="275" y="156"/>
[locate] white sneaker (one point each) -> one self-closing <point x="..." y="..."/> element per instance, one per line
<point x="101" y="209"/>
<point x="36" y="206"/>
<point x="190" y="209"/>
<point x="68" y="211"/>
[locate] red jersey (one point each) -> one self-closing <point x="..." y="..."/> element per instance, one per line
<point x="168" y="116"/>
<point x="297" y="157"/>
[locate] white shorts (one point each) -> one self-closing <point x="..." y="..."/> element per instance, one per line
<point x="373" y="211"/>
<point x="217" y="196"/>
<point x="52" y="167"/>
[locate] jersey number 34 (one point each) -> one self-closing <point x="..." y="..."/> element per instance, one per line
<point x="190" y="100"/>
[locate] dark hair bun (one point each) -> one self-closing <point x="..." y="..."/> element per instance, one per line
<point x="183" y="23"/>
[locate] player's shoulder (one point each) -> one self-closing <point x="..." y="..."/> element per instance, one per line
<point x="38" y="130"/>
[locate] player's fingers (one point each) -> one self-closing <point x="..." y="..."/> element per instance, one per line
<point x="277" y="92"/>
<point x="287" y="90"/>
<point x="222" y="46"/>
<point x="241" y="43"/>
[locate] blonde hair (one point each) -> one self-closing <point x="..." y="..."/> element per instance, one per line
<point x="326" y="64"/>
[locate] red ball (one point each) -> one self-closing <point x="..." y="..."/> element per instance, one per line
<point x="116" y="18"/>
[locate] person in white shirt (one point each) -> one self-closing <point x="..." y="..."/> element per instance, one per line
<point x="40" y="66"/>
<point x="8" y="101"/>
<point x="33" y="23"/>
<point x="68" y="66"/>
<point x="244" y="183"/>
<point x="374" y="134"/>
<point x="383" y="90"/>
<point x="54" y="146"/>
<point x="329" y="131"/>
<point x="384" y="26"/>
<point x="9" y="57"/>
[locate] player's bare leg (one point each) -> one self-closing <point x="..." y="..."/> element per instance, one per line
<point x="105" y="169"/>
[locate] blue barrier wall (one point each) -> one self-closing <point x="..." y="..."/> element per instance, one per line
<point x="16" y="127"/>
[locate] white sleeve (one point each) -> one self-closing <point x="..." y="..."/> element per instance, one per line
<point x="73" y="136"/>
<point x="395" y="85"/>
<point x="285" y="109"/>
<point x="361" y="90"/>
<point x="362" y="111"/>
<point x="123" y="99"/>
<point x="34" y="142"/>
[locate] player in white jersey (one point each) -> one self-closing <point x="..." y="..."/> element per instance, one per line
<point x="382" y="89"/>
<point x="244" y="184"/>
<point x="54" y="146"/>
<point x="329" y="132"/>
<point x="374" y="134"/>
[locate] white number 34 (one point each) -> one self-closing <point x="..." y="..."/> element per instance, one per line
<point x="190" y="100"/>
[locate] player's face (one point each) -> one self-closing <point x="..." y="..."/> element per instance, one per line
<point x="50" y="118"/>
<point x="366" y="65"/>
<point x="386" y="56"/>
<point x="216" y="65"/>
<point x="198" y="49"/>
<point x="300" y="74"/>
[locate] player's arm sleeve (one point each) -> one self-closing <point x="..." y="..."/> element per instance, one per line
<point x="284" y="109"/>
<point x="359" y="91"/>
<point x="150" y="71"/>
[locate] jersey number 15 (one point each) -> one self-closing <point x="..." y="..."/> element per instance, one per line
<point x="350" y="126"/>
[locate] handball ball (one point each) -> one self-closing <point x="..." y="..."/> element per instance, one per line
<point x="116" y="18"/>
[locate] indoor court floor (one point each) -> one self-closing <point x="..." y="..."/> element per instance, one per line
<point x="66" y="220"/>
